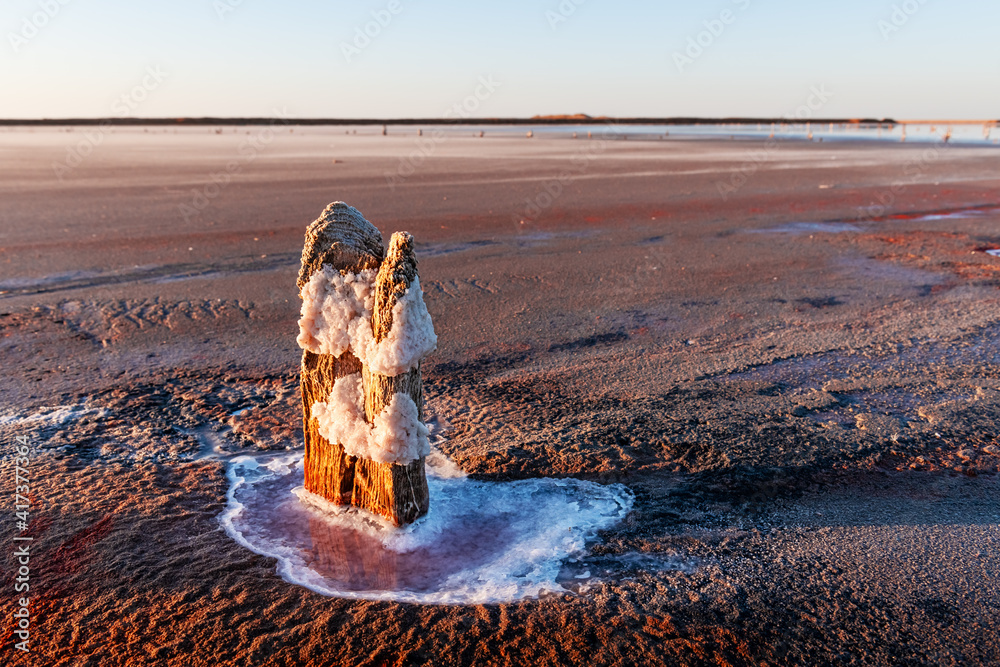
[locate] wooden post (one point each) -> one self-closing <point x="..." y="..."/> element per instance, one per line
<point x="395" y="491"/>
<point x="343" y="239"/>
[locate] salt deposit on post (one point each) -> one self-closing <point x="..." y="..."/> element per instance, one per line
<point x="364" y="329"/>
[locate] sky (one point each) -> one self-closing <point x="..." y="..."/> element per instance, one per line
<point x="902" y="59"/>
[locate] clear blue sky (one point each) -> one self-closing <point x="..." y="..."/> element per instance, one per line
<point x="611" y="58"/>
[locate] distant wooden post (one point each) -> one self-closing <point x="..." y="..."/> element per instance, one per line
<point x="343" y="239"/>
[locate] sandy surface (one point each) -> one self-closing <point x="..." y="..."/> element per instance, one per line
<point x="803" y="400"/>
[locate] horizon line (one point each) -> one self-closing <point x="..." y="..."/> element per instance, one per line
<point x="576" y="119"/>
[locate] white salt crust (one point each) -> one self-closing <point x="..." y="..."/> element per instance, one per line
<point x="333" y="303"/>
<point x="396" y="436"/>
<point x="410" y="339"/>
<point x="481" y="542"/>
<point x="336" y="317"/>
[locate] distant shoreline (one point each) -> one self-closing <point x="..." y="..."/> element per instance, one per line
<point x="548" y="120"/>
<point x="544" y="121"/>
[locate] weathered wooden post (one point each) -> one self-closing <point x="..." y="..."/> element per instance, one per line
<point x="395" y="490"/>
<point x="364" y="329"/>
<point x="343" y="239"/>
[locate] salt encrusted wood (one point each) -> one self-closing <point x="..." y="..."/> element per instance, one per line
<point x="401" y="490"/>
<point x="342" y="238"/>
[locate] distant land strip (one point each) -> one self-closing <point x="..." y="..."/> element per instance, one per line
<point x="542" y="120"/>
<point x="537" y="120"/>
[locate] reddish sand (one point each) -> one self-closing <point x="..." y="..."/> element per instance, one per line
<point x="800" y="388"/>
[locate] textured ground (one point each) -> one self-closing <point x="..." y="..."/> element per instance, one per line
<point x="800" y="387"/>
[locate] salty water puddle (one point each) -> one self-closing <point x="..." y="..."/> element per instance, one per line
<point x="840" y="226"/>
<point x="809" y="228"/>
<point x="481" y="542"/>
<point x="56" y="415"/>
<point x="148" y="273"/>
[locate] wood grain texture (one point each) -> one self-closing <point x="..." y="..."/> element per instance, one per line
<point x="395" y="276"/>
<point x="329" y="471"/>
<point x="342" y="238"/>
<point x="402" y="488"/>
